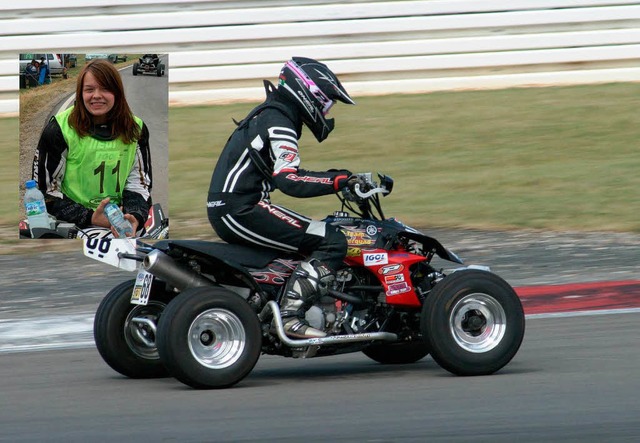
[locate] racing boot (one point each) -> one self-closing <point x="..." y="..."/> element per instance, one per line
<point x="309" y="281"/>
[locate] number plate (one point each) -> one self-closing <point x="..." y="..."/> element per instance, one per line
<point x="142" y="288"/>
<point x="109" y="251"/>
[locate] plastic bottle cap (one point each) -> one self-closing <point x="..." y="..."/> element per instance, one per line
<point x="30" y="184"/>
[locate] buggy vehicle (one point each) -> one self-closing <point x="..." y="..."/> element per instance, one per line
<point x="149" y="63"/>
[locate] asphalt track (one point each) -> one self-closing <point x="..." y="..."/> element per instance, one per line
<point x="575" y="377"/>
<point x="149" y="100"/>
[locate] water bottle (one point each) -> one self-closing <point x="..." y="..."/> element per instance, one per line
<point x="117" y="220"/>
<point x="35" y="208"/>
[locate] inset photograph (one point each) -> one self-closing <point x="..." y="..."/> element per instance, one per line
<point x="93" y="146"/>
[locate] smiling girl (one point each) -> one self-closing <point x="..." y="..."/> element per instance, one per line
<point x="95" y="152"/>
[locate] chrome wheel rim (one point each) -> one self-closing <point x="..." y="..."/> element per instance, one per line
<point x="478" y="323"/>
<point x="140" y="329"/>
<point x="217" y="338"/>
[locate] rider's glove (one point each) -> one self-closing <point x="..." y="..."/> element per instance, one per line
<point x="340" y="180"/>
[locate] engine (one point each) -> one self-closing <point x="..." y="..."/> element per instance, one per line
<point x="335" y="316"/>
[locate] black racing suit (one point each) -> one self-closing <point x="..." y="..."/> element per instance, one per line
<point x="260" y="156"/>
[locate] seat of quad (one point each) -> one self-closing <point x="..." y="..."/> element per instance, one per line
<point x="248" y="256"/>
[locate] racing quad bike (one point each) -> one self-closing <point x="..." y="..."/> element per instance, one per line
<point x="204" y="311"/>
<point x="148" y="64"/>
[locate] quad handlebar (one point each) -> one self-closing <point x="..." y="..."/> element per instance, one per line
<point x="362" y="190"/>
<point x="363" y="185"/>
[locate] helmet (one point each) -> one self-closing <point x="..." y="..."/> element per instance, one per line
<point x="314" y="89"/>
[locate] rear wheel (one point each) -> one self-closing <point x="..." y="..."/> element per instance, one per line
<point x="136" y="66"/>
<point x="397" y="353"/>
<point x="125" y="334"/>
<point x="209" y="338"/>
<point x="160" y="70"/>
<point x="474" y="323"/>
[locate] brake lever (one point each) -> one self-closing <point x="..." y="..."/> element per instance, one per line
<point x="378" y="190"/>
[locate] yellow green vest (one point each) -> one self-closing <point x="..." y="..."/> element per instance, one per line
<point x="95" y="169"/>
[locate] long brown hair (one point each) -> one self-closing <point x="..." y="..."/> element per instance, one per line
<point x="120" y="116"/>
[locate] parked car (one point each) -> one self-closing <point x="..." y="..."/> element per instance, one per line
<point x="89" y="57"/>
<point x="115" y="58"/>
<point x="56" y="66"/>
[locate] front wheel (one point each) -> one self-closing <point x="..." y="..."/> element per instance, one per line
<point x="209" y="337"/>
<point x="125" y="334"/>
<point x="474" y="322"/>
<point x="136" y="66"/>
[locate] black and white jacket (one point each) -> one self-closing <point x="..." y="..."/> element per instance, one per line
<point x="261" y="156"/>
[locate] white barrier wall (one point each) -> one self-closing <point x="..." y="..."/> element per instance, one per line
<point x="221" y="49"/>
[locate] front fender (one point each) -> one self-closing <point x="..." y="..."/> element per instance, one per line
<point x="431" y="244"/>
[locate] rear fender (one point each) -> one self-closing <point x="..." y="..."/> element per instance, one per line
<point x="224" y="271"/>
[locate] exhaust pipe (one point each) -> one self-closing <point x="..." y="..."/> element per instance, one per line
<point x="332" y="339"/>
<point x="164" y="267"/>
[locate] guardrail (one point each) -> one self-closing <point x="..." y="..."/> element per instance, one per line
<point x="220" y="49"/>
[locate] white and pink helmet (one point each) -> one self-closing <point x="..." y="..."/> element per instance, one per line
<point x="314" y="88"/>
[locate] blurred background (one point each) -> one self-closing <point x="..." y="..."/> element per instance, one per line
<point x="486" y="117"/>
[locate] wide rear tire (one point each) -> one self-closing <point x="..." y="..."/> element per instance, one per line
<point x="209" y="337"/>
<point x="474" y="322"/>
<point x="125" y="333"/>
<point x="136" y="66"/>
